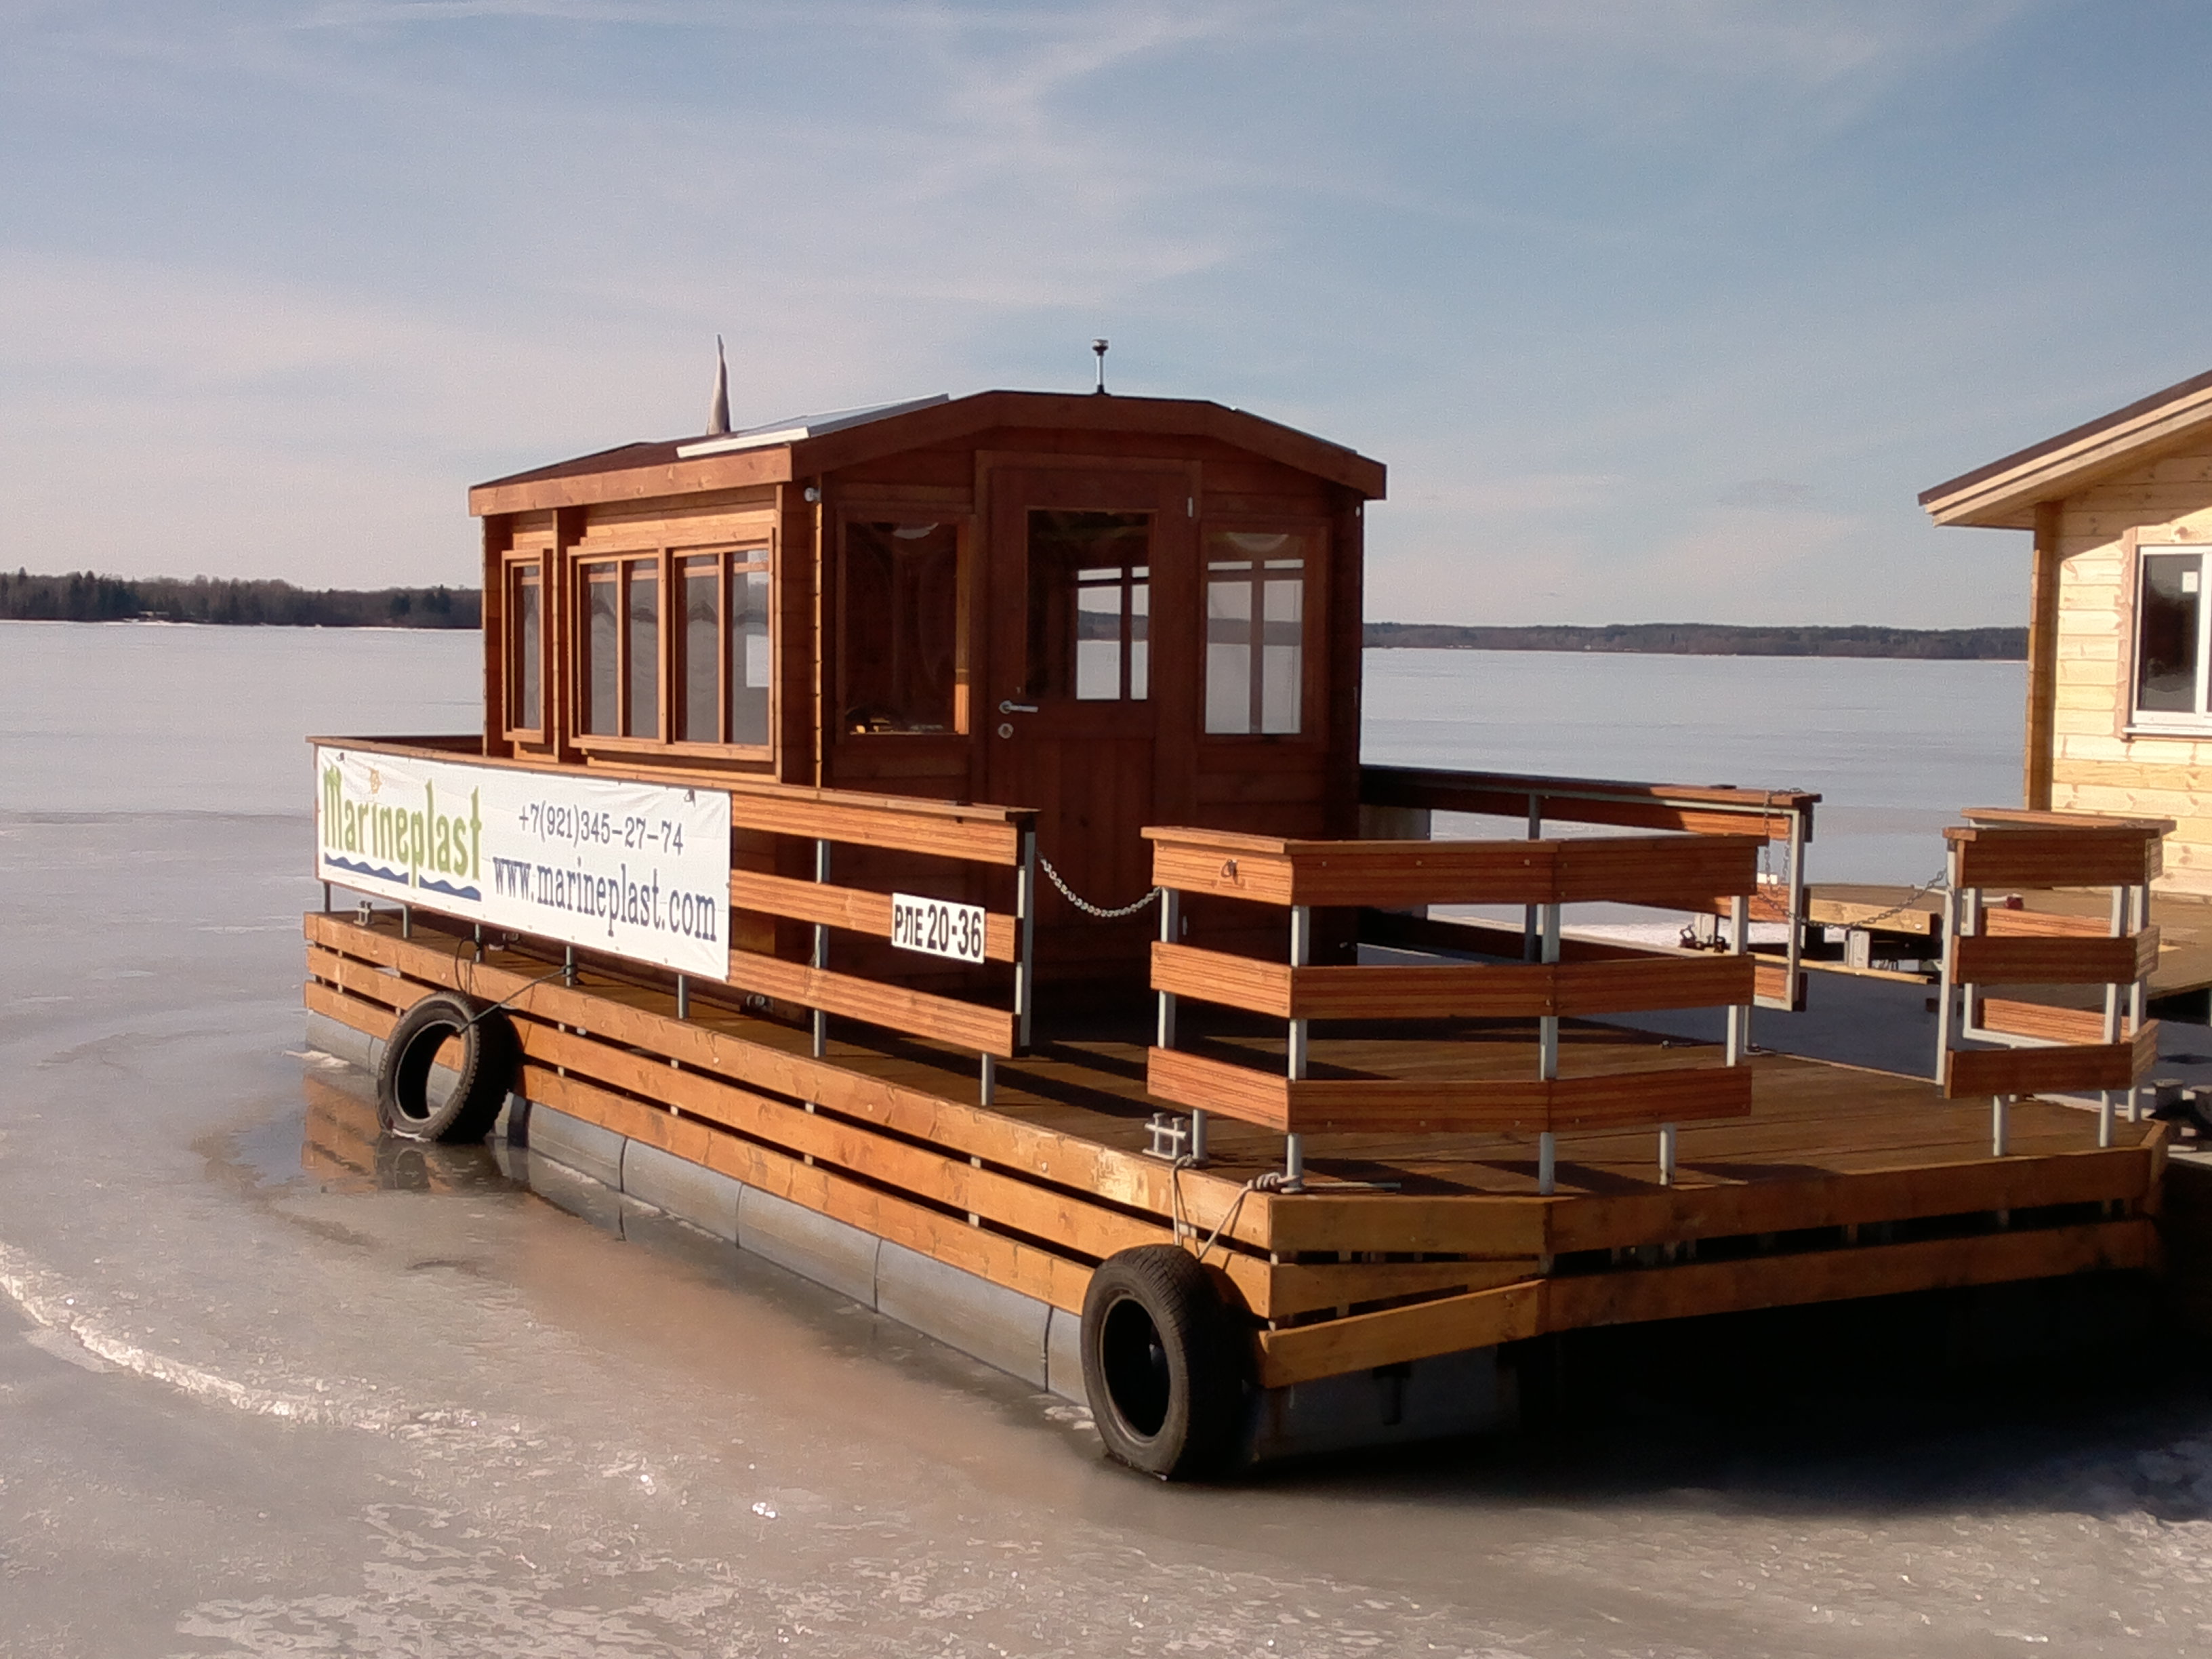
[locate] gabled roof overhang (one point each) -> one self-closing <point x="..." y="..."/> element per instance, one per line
<point x="637" y="472"/>
<point x="2003" y="494"/>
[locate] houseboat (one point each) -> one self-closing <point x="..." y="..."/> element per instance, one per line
<point x="928" y="846"/>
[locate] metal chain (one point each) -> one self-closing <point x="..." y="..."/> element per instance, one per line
<point x="1085" y="905"/>
<point x="1936" y="883"/>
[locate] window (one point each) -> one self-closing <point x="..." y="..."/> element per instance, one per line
<point x="2171" y="655"/>
<point x="1254" y="632"/>
<point x="621" y="639"/>
<point x="898" y="633"/>
<point x="525" y="681"/>
<point x="725" y="681"/>
<point x="1089" y="603"/>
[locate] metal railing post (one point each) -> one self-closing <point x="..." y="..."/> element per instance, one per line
<point x="1025" y="893"/>
<point x="820" y="957"/>
<point x="1547" y="1050"/>
<point x="2140" y="920"/>
<point x="2121" y="904"/>
<point x="1530" y="922"/>
<point x="1294" y="1145"/>
<point x="1970" y="925"/>
<point x="1739" y="1014"/>
<point x="683" y="997"/>
<point x="1797" y="918"/>
<point x="1170" y="921"/>
<point x="1946" y="990"/>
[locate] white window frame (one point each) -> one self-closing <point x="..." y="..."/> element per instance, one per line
<point x="2156" y="722"/>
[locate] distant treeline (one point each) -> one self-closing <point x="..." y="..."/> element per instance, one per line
<point x="1715" y="640"/>
<point x="84" y="597"/>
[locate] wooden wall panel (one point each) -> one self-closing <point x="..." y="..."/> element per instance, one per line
<point x="2096" y="764"/>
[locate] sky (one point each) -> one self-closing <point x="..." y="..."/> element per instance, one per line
<point x="1657" y="310"/>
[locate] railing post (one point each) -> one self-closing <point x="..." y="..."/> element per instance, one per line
<point x="1547" y="1049"/>
<point x="2141" y="920"/>
<point x="1997" y="1105"/>
<point x="1739" y="1015"/>
<point x="1970" y="925"/>
<point x="683" y="997"/>
<point x="1170" y="922"/>
<point x="1294" y="1145"/>
<point x="820" y="957"/>
<point x="1798" y="921"/>
<point x="1530" y="922"/>
<point x="988" y="1087"/>
<point x="1026" y="949"/>
<point x="2122" y="902"/>
<point x="1946" y="972"/>
<point x="1171" y="930"/>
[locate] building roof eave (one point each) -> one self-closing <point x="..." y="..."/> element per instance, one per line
<point x="2003" y="493"/>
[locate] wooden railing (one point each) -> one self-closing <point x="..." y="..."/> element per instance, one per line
<point x="1002" y="837"/>
<point x="1771" y="815"/>
<point x="2045" y="1047"/>
<point x="1670" y="872"/>
<point x="990" y="836"/>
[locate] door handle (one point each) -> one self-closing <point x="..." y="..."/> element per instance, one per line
<point x="1009" y="707"/>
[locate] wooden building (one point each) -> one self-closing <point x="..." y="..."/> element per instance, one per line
<point x="1118" y="611"/>
<point x="2120" y="704"/>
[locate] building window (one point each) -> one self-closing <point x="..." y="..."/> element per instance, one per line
<point x="1090" y="604"/>
<point x="2171" y="619"/>
<point x="621" y="641"/>
<point x="1254" y="632"/>
<point x="899" y="633"/>
<point x="724" y="651"/>
<point x="525" y="680"/>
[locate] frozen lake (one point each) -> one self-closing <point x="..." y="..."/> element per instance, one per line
<point x="267" y="1388"/>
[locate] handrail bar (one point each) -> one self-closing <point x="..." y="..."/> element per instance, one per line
<point x="735" y="783"/>
<point x="1784" y="815"/>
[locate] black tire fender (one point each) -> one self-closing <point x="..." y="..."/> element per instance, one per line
<point x="1165" y="1364"/>
<point x="489" y="1053"/>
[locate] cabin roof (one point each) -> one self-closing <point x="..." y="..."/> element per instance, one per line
<point x="2003" y="493"/>
<point x="811" y="445"/>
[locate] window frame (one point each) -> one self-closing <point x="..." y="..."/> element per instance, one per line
<point x="869" y="510"/>
<point x="734" y="562"/>
<point x="511" y="565"/>
<point x="2153" y="722"/>
<point x="735" y="559"/>
<point x="1313" y="630"/>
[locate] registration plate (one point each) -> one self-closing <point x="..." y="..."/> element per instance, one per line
<point x="937" y="928"/>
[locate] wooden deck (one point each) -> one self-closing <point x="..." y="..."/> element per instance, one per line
<point x="1839" y="1182"/>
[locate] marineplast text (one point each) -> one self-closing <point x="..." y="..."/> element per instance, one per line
<point x="448" y="844"/>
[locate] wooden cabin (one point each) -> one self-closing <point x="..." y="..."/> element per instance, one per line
<point x="2119" y="698"/>
<point x="1117" y="610"/>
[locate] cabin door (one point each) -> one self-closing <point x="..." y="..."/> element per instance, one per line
<point x="1081" y="686"/>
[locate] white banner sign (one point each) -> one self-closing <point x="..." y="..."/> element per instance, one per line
<point x="637" y="869"/>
